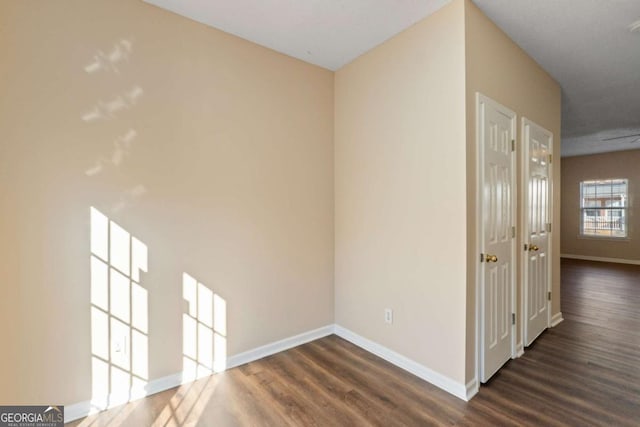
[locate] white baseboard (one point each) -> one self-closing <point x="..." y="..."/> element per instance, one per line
<point x="601" y="259"/>
<point x="460" y="390"/>
<point x="473" y="387"/>
<point x="82" y="409"/>
<point x="519" y="349"/>
<point x="77" y="410"/>
<point x="278" y="346"/>
<point x="98" y="404"/>
<point x="556" y="319"/>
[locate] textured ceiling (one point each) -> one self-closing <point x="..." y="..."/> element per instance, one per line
<point x="586" y="45"/>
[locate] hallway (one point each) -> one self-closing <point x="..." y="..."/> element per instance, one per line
<point x="586" y="370"/>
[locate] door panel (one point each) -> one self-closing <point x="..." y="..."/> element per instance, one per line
<point x="536" y="171"/>
<point x="496" y="131"/>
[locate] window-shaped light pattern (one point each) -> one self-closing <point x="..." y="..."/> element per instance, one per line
<point x="603" y="208"/>
<point x="204" y="330"/>
<point x="119" y="314"/>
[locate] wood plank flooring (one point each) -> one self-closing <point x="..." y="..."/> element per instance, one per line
<point x="584" y="372"/>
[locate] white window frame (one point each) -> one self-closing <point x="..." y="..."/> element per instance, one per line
<point x="609" y="204"/>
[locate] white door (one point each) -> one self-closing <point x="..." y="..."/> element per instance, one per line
<point x="537" y="226"/>
<point x="496" y="135"/>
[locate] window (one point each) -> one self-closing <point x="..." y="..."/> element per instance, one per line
<point x="603" y="208"/>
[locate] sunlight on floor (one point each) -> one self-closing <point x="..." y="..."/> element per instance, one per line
<point x="187" y="404"/>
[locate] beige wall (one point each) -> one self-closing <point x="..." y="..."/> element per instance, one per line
<point x="621" y="164"/>
<point x="229" y="178"/>
<point x="499" y="69"/>
<point x="400" y="207"/>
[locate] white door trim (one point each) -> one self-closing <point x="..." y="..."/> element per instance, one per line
<point x="479" y="159"/>
<point x="524" y="175"/>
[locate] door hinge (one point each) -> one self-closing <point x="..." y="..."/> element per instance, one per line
<point x="513" y="232"/>
<point x="481" y="257"/>
<point x="549" y="227"/>
<point x="550" y="158"/>
<point x="549" y="295"/>
<point x="526" y="247"/>
<point x="513" y="318"/>
<point x="513" y="145"/>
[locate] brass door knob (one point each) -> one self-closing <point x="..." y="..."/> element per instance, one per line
<point x="491" y="258"/>
<point x="533" y="248"/>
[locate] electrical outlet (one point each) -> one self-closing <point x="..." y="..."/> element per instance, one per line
<point x="120" y="345"/>
<point x="388" y="315"/>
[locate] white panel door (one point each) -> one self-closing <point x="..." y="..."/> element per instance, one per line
<point x="496" y="134"/>
<point x="537" y="225"/>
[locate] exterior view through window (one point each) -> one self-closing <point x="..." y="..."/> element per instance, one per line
<point x="603" y="208"/>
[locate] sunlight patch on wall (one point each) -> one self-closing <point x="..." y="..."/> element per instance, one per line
<point x="219" y="333"/>
<point x="204" y="330"/>
<point x="204" y="348"/>
<point x="110" y="108"/>
<point x="119" y="314"/>
<point x="111" y="60"/>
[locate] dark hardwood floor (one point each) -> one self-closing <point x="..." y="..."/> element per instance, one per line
<point x="584" y="372"/>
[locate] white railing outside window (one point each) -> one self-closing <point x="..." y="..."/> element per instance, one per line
<point x="603" y="208"/>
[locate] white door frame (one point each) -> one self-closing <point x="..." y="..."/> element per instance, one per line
<point x="482" y="99"/>
<point x="525" y="223"/>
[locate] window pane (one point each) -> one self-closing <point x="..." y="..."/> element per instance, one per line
<point x="610" y="199"/>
